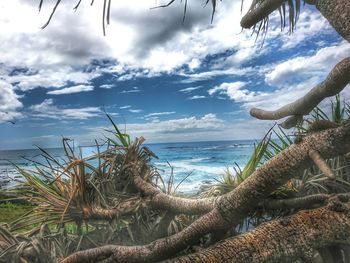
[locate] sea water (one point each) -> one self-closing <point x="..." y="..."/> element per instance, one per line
<point x="202" y="162"/>
<point x="199" y="162"/>
<point x="24" y="159"/>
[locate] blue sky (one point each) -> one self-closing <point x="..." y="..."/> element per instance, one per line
<point x="166" y="80"/>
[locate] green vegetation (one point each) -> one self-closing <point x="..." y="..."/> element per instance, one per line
<point x="10" y="211"/>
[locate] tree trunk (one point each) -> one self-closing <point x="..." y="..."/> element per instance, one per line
<point x="282" y="240"/>
<point x="337" y="12"/>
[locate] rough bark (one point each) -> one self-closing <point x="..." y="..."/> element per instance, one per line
<point x="335" y="82"/>
<point x="282" y="240"/>
<point x="337" y="12"/>
<point x="231" y="208"/>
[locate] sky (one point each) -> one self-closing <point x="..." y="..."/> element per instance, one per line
<point x="160" y="77"/>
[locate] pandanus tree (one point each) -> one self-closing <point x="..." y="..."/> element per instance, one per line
<point x="319" y="234"/>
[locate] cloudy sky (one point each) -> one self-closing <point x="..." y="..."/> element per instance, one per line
<point x="165" y="79"/>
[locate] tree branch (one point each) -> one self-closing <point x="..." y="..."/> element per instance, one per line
<point x="288" y="238"/>
<point x="154" y="198"/>
<point x="335" y="82"/>
<point x="231" y="208"/>
<point x="178" y="205"/>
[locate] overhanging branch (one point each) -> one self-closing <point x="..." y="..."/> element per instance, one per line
<point x="335" y="82"/>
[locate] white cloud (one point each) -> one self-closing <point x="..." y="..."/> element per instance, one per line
<point x="310" y="23"/>
<point x="47" y="109"/>
<point x="194" y="128"/>
<point x="152" y="119"/>
<point x="207" y="127"/>
<point x="50" y="78"/>
<point x="55" y="55"/>
<point x="190" y="89"/>
<point x="125" y="107"/>
<point x="9" y="103"/>
<point x="197" y="97"/>
<point x="154" y="40"/>
<point x="173" y="59"/>
<point x="106" y="86"/>
<point x="231" y="71"/>
<point x="279" y="97"/>
<point x="177" y="129"/>
<point x="318" y="64"/>
<point x="133" y="90"/>
<point x="293" y="78"/>
<point x="135" y="110"/>
<point x="154" y="114"/>
<point x="267" y="100"/>
<point x="234" y="91"/>
<point x="70" y="90"/>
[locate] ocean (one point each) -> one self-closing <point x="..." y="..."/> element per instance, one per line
<point x="202" y="162"/>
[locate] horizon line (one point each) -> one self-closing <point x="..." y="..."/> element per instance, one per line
<point x="151" y="143"/>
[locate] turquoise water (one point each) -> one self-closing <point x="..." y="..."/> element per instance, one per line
<point x="204" y="161"/>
